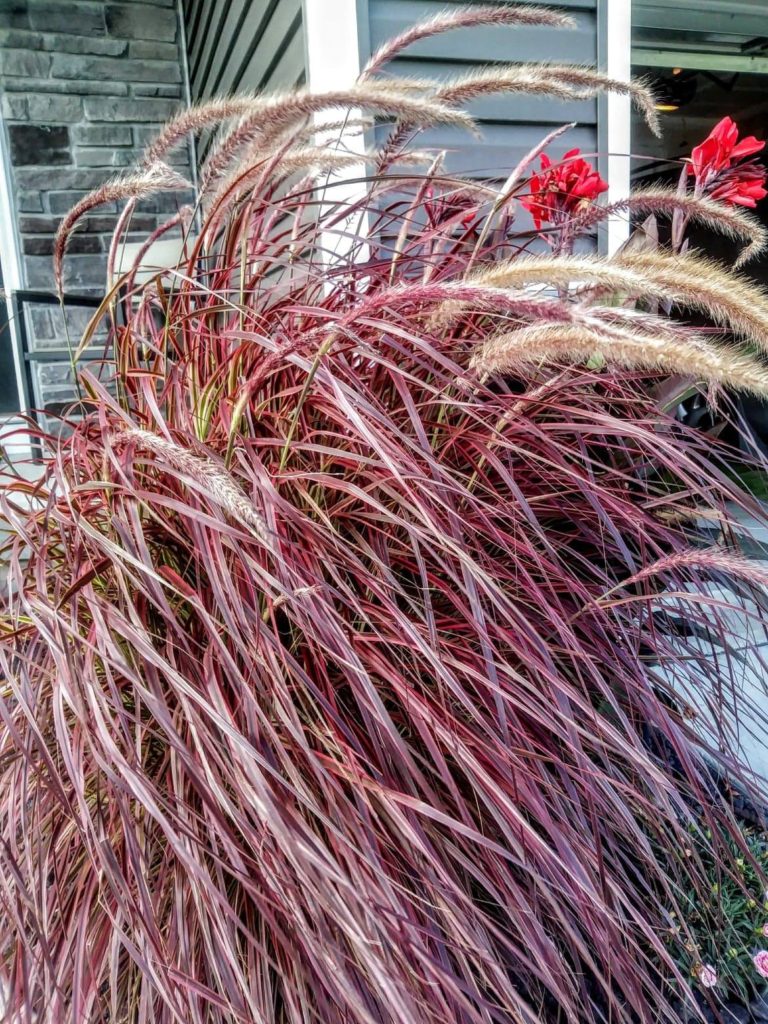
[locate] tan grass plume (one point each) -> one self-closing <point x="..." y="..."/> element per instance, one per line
<point x="564" y="81"/>
<point x="157" y="177"/>
<point x="730" y="221"/>
<point x="217" y="483"/>
<point x="273" y="113"/>
<point x="732" y="301"/>
<point x="718" y="559"/>
<point x="569" y="342"/>
<point x="282" y="113"/>
<point x="465" y="17"/>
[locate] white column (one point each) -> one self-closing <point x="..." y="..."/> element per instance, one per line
<point x="332" y="41"/>
<point x="614" y="54"/>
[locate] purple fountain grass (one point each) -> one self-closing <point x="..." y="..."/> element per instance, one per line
<point x="329" y="693"/>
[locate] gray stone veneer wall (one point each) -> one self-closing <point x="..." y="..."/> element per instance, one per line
<point x="83" y="86"/>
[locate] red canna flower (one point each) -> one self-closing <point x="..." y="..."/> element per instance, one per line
<point x="718" y="170"/>
<point x="559" y="191"/>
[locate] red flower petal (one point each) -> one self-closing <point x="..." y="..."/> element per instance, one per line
<point x="718" y="153"/>
<point x="747" y="147"/>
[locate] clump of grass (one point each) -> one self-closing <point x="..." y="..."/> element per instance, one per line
<point x="329" y="659"/>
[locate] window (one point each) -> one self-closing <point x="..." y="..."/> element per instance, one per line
<point x="706" y="59"/>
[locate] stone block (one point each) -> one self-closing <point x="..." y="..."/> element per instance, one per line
<point x="42" y="245"/>
<point x="13" y="14"/>
<point x="168" y="91"/>
<point x="39" y="144"/>
<point x="38" y="225"/>
<point x="42" y="109"/>
<point x="77" y="319"/>
<point x="86" y="68"/>
<point x="22" y="40"/>
<point x="75" y="87"/>
<point x="29" y="202"/>
<point x="152" y="49"/>
<point x="166" y="202"/>
<point x="46" y="327"/>
<point x="105" y="157"/>
<point x="59" y="178"/>
<point x="60" y="401"/>
<point x="81" y="243"/>
<point x="37" y="245"/>
<point x="39" y="272"/>
<point x="61" y="202"/>
<point x="67" y="43"/>
<point x="83" y="19"/>
<point x="141" y="21"/>
<point x="99" y="224"/>
<point x="24" y="63"/>
<point x="136" y="110"/>
<point x="82" y="272"/>
<point x="14" y="108"/>
<point x="143" y="222"/>
<point x="102" y="135"/>
<point x="55" y="374"/>
<point x="39" y="323"/>
<point x="144" y="134"/>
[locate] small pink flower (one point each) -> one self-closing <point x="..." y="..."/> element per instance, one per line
<point x="764" y="930"/>
<point x="760" y="960"/>
<point x="707" y="975"/>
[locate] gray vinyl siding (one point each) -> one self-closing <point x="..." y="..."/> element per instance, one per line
<point x="243" y="45"/>
<point x="510" y="124"/>
<point x="252" y="45"/>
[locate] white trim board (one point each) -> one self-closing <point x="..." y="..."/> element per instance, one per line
<point x="333" y="61"/>
<point x="614" y="114"/>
